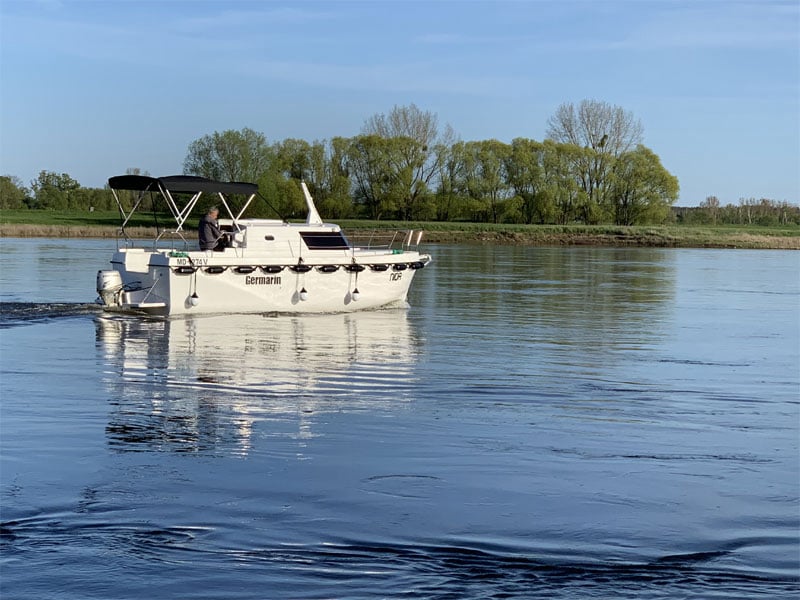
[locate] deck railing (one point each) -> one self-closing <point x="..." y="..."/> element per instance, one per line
<point x="382" y="239"/>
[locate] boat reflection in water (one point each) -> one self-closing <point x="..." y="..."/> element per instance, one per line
<point x="203" y="384"/>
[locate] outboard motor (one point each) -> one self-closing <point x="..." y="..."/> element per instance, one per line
<point x="109" y="286"/>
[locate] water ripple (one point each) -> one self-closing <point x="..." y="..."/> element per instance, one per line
<point x="15" y="314"/>
<point x="416" y="570"/>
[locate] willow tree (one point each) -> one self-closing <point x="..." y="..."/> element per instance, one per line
<point x="231" y="155"/>
<point x="641" y="189"/>
<point x="333" y="193"/>
<point x="604" y="131"/>
<point x="416" y="159"/>
<point x="560" y="185"/>
<point x="524" y="170"/>
<point x="293" y="157"/>
<point x="485" y="176"/>
<point x="449" y="198"/>
<point x="596" y="125"/>
<point x="374" y="185"/>
<point x="293" y="160"/>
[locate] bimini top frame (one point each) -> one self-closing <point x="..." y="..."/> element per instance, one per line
<point x="167" y="187"/>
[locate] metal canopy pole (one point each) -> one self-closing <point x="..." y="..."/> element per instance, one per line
<point x="227" y="208"/>
<point x="179" y="215"/>
<point x="244" y="208"/>
<point x="127" y="217"/>
<point x="187" y="210"/>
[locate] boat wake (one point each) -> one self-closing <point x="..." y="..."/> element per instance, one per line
<point x="428" y="571"/>
<point x="14" y="314"/>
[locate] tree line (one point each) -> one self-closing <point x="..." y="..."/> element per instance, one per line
<point x="749" y="211"/>
<point x="52" y="191"/>
<point x="592" y="168"/>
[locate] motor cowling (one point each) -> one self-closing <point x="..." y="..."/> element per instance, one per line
<point x="109" y="285"/>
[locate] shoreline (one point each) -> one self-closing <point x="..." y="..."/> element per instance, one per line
<point x="650" y="237"/>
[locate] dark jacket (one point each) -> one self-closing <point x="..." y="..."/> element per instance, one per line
<point x="209" y="233"/>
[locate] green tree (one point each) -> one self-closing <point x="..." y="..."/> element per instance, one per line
<point x="641" y="189"/>
<point x="374" y="184"/>
<point x="13" y="193"/>
<point x="55" y="191"/>
<point x="97" y="198"/>
<point x="449" y="198"/>
<point x="292" y="162"/>
<point x="293" y="157"/>
<point x="484" y="168"/>
<point x="561" y="186"/>
<point x="412" y="160"/>
<point x="231" y="155"/>
<point x="334" y="197"/>
<point x="285" y="197"/>
<point x="322" y="166"/>
<point x="605" y="132"/>
<point x="525" y="172"/>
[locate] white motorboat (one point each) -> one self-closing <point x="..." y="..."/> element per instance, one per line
<point x="267" y="265"/>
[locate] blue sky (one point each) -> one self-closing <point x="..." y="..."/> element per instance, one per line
<point x="93" y="88"/>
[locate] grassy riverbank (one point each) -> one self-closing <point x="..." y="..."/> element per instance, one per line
<point x="29" y="223"/>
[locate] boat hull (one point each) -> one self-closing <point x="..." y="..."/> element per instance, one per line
<point x="177" y="283"/>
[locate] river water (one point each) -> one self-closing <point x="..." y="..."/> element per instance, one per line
<point x="539" y="423"/>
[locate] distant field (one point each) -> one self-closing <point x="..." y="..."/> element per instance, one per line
<point x="694" y="236"/>
<point x="72" y="218"/>
<point x="32" y="223"/>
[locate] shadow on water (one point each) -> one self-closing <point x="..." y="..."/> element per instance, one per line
<point x="199" y="384"/>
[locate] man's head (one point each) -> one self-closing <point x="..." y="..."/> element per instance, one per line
<point x="213" y="212"/>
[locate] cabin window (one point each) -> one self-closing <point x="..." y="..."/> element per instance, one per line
<point x="324" y="240"/>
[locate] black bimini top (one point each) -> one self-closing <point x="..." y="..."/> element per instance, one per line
<point x="180" y="184"/>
